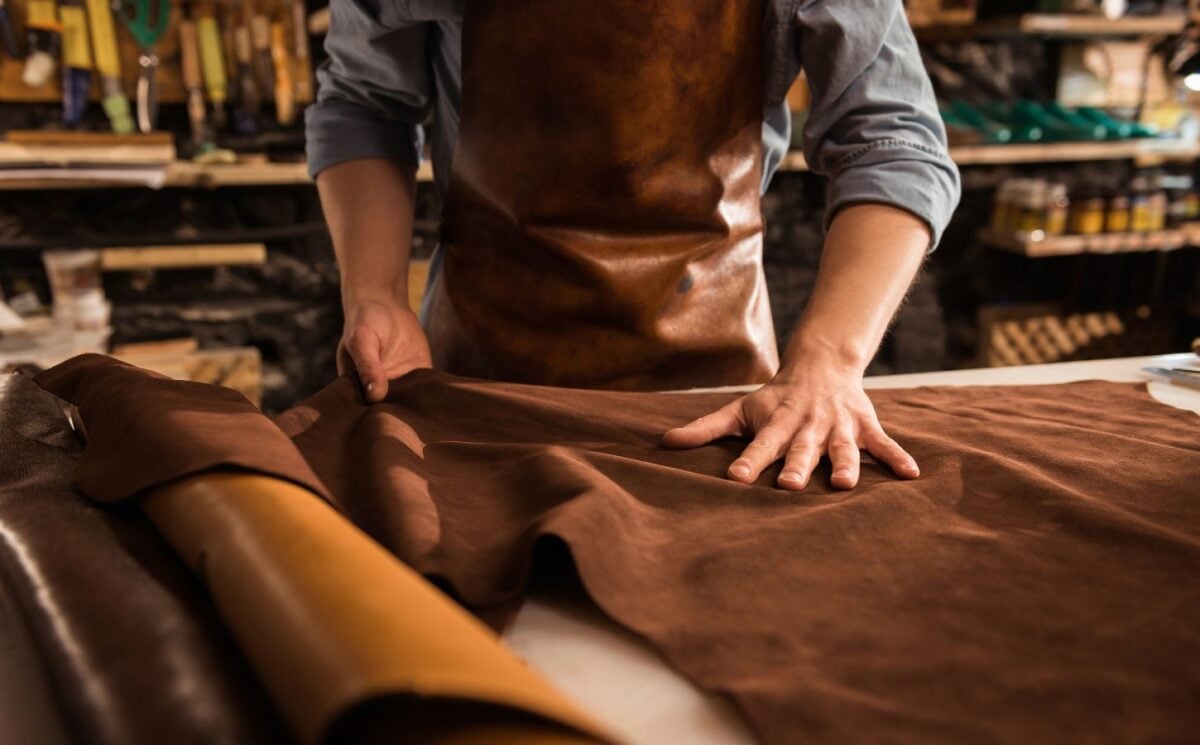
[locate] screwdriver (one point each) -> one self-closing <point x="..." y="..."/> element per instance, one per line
<point x="108" y="64"/>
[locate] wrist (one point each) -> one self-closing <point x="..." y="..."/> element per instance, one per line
<point x="386" y="291"/>
<point x="809" y="349"/>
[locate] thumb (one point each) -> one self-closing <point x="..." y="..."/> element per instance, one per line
<point x="721" y="423"/>
<point x="364" y="347"/>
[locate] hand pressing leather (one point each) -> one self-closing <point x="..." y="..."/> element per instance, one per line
<point x="382" y="339"/>
<point x="804" y="413"/>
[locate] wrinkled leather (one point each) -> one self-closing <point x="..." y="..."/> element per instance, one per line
<point x="124" y="635"/>
<point x="602" y="224"/>
<point x="1036" y="584"/>
<point x="352" y="645"/>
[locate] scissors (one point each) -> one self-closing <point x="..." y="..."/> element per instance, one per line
<point x="146" y="21"/>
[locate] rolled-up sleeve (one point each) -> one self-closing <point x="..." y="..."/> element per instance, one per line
<point x="874" y="127"/>
<point x="374" y="90"/>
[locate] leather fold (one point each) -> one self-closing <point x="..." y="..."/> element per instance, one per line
<point x="350" y="644"/>
<point x="145" y="430"/>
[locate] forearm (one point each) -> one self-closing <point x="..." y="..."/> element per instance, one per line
<point x="871" y="255"/>
<point x="368" y="206"/>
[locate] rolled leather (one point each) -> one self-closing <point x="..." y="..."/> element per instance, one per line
<point x="350" y="644"/>
<point x="124" y="648"/>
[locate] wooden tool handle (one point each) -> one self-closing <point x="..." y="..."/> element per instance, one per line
<point x="189" y="54"/>
<point x="285" y="98"/>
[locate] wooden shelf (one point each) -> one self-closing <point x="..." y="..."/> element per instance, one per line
<point x="1105" y="243"/>
<point x="1145" y="152"/>
<point x="1057" y="25"/>
<point x="196" y="175"/>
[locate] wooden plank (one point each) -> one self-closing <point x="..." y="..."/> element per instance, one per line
<point x="73" y="138"/>
<point x="186" y="173"/>
<point x="124" y="259"/>
<point x="12" y="153"/>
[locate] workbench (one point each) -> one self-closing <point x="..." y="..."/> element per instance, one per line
<point x="621" y="680"/>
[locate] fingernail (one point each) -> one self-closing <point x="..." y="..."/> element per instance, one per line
<point x="740" y="471"/>
<point x="792" y="478"/>
<point x="842" y="473"/>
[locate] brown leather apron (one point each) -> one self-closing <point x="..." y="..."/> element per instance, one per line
<point x="602" y="224"/>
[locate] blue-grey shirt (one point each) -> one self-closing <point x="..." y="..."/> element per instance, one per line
<point x="873" y="127"/>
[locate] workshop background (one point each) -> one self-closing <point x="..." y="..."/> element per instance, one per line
<point x="198" y="248"/>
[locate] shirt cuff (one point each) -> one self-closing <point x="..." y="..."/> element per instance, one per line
<point x="917" y="178"/>
<point x="338" y="131"/>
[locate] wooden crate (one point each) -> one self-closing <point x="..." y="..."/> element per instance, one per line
<point x="239" y="368"/>
<point x="1038" y="334"/>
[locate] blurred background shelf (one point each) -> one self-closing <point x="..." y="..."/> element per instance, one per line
<point x="1050" y="25"/>
<point x="1104" y="243"/>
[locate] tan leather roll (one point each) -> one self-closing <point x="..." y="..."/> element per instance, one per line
<point x="332" y="622"/>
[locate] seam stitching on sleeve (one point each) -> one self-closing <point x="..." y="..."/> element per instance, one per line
<point x="858" y="154"/>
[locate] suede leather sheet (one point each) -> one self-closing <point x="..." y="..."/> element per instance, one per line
<point x="1039" y="582"/>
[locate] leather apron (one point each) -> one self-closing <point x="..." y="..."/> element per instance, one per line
<point x="602" y="227"/>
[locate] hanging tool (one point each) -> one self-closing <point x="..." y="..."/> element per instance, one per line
<point x="146" y="21"/>
<point x="285" y="95"/>
<point x="76" y="60"/>
<point x="189" y="55"/>
<point x="43" y="33"/>
<point x="249" y="96"/>
<point x="8" y="36"/>
<point x="302" y="65"/>
<point x="264" y="68"/>
<point x="108" y="64"/>
<point x="211" y="63"/>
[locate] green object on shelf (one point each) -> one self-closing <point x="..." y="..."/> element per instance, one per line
<point x="1022" y="131"/>
<point x="1116" y="128"/>
<point x="993" y="132"/>
<point x="1030" y="114"/>
<point x="1135" y="129"/>
<point x="1089" y="129"/>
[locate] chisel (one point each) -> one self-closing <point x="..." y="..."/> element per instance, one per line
<point x="108" y="65"/>
<point x="260" y="39"/>
<point x="250" y="98"/>
<point x="189" y="60"/>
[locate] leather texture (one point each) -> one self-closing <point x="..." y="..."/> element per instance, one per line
<point x="351" y="645"/>
<point x="118" y="629"/>
<point x="1036" y="584"/>
<point x="602" y="226"/>
<point x="355" y="646"/>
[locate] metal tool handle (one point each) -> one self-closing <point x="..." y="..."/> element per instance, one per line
<point x="147" y="92"/>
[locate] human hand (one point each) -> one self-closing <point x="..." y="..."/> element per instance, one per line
<point x="382" y="339"/>
<point x="803" y="413"/>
